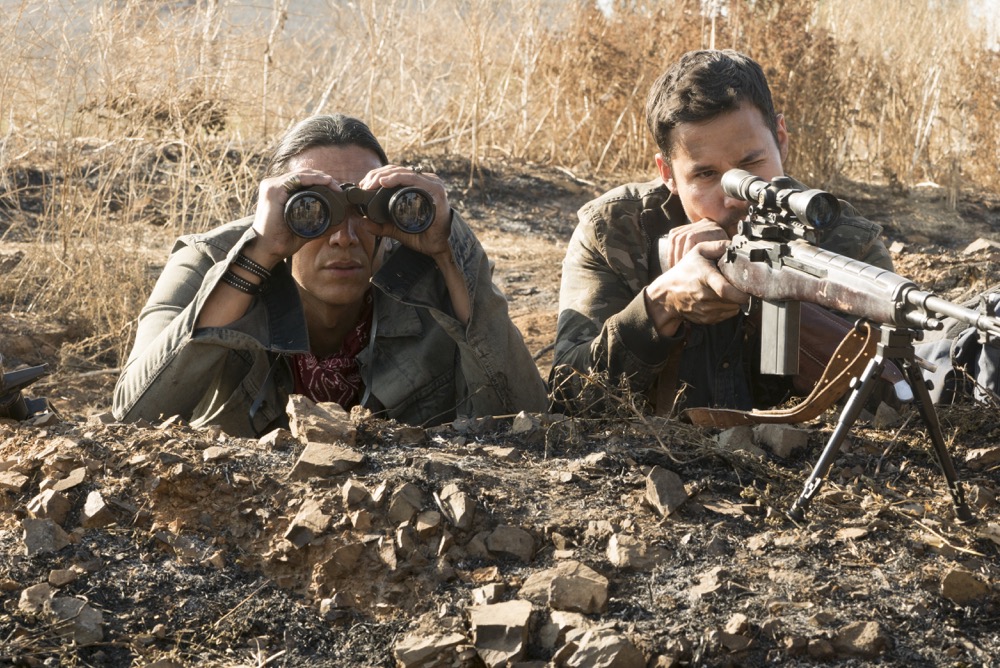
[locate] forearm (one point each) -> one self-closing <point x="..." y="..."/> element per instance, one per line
<point x="496" y="368"/>
<point x="227" y="303"/>
<point x="625" y="350"/>
<point x="455" y="283"/>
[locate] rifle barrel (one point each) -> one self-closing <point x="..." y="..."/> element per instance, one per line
<point x="933" y="304"/>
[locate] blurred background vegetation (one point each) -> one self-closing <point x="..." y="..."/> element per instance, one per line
<point x="125" y="124"/>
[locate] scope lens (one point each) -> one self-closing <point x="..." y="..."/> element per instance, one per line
<point x="412" y="210"/>
<point x="821" y="208"/>
<point x="307" y="215"/>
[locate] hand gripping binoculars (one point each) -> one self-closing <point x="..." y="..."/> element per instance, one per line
<point x="310" y="212"/>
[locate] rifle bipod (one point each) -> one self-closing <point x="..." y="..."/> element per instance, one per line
<point x="896" y="344"/>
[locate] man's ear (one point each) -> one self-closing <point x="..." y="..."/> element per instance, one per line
<point x="663" y="167"/>
<point x="782" y="137"/>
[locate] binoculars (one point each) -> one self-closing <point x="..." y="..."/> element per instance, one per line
<point x="310" y="212"/>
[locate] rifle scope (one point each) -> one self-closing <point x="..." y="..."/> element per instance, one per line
<point x="811" y="207"/>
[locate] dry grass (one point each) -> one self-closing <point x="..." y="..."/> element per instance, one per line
<point x="125" y="125"/>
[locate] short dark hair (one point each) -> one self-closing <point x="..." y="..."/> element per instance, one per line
<point x="702" y="85"/>
<point x="319" y="131"/>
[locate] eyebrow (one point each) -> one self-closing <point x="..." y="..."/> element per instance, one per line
<point x="749" y="157"/>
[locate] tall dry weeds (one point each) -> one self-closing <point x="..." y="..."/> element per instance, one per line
<point x="124" y="125"/>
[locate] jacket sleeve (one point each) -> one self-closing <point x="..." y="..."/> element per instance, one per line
<point x="497" y="374"/>
<point x="175" y="369"/>
<point x="604" y="335"/>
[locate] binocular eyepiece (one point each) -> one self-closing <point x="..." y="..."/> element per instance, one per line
<point x="812" y="207"/>
<point x="310" y="212"/>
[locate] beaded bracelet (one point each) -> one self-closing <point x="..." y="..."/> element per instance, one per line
<point x="240" y="283"/>
<point x="243" y="262"/>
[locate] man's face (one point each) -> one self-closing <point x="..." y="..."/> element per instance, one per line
<point x="703" y="152"/>
<point x="334" y="270"/>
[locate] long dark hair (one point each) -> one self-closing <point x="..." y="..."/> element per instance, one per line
<point x="319" y="131"/>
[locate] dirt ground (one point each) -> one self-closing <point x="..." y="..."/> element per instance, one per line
<point x="162" y="545"/>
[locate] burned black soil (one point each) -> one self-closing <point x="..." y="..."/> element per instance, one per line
<point x="196" y="548"/>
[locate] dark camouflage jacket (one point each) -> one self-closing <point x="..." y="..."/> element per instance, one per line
<point x="605" y="334"/>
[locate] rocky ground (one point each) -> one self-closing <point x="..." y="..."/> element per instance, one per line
<point x="528" y="540"/>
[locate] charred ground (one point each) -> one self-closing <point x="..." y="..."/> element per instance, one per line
<point x="194" y="557"/>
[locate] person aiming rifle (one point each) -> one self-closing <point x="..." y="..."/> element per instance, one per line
<point x="635" y="321"/>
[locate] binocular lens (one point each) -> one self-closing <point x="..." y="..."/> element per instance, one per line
<point x="310" y="212"/>
<point x="412" y="210"/>
<point x="307" y="214"/>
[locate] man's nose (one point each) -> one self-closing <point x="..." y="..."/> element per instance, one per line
<point x="734" y="203"/>
<point x="346" y="233"/>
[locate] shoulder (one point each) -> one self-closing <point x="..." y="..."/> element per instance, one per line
<point x="615" y="229"/>
<point x="616" y="218"/>
<point x="623" y="205"/>
<point x="216" y="242"/>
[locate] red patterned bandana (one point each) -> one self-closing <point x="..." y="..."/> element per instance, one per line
<point x="337" y="377"/>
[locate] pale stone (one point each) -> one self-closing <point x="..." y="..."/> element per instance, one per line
<point x="416" y="650"/>
<point x="84" y="621"/>
<point x="605" y="647"/>
<point x="864" y="639"/>
<point x="75" y="477"/>
<point x="570" y="586"/>
<point x="324" y="460"/>
<point x="35" y="598"/>
<point x="354" y="492"/>
<point x="325" y="422"/>
<point x="50" y="504"/>
<point x="738" y="438"/>
<point x="43" y="536"/>
<point x="512" y="542"/>
<point x="215" y="453"/>
<point x="308" y="523"/>
<point x="500" y="631"/>
<point x="96" y="512"/>
<point x="278" y="439"/>
<point x="488" y="594"/>
<point x="61" y="577"/>
<point x="784" y="440"/>
<point x="428" y="523"/>
<point x="406" y="502"/>
<point x="12" y="481"/>
<point x="631" y="553"/>
<point x="460" y="506"/>
<point x="962" y="587"/>
<point x="665" y="491"/>
<point x="361" y="520"/>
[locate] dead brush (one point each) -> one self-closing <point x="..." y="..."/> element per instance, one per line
<point x="128" y="124"/>
<point x="603" y="405"/>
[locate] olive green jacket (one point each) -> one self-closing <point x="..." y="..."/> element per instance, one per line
<point x="604" y="332"/>
<point x="422" y="367"/>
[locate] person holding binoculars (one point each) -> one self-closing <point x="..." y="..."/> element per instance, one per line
<point x="353" y="282"/>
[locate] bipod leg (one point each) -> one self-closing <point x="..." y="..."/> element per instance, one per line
<point x="929" y="415"/>
<point x="848" y="416"/>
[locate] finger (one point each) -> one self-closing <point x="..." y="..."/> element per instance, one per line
<point x="726" y="291"/>
<point x="712" y="250"/>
